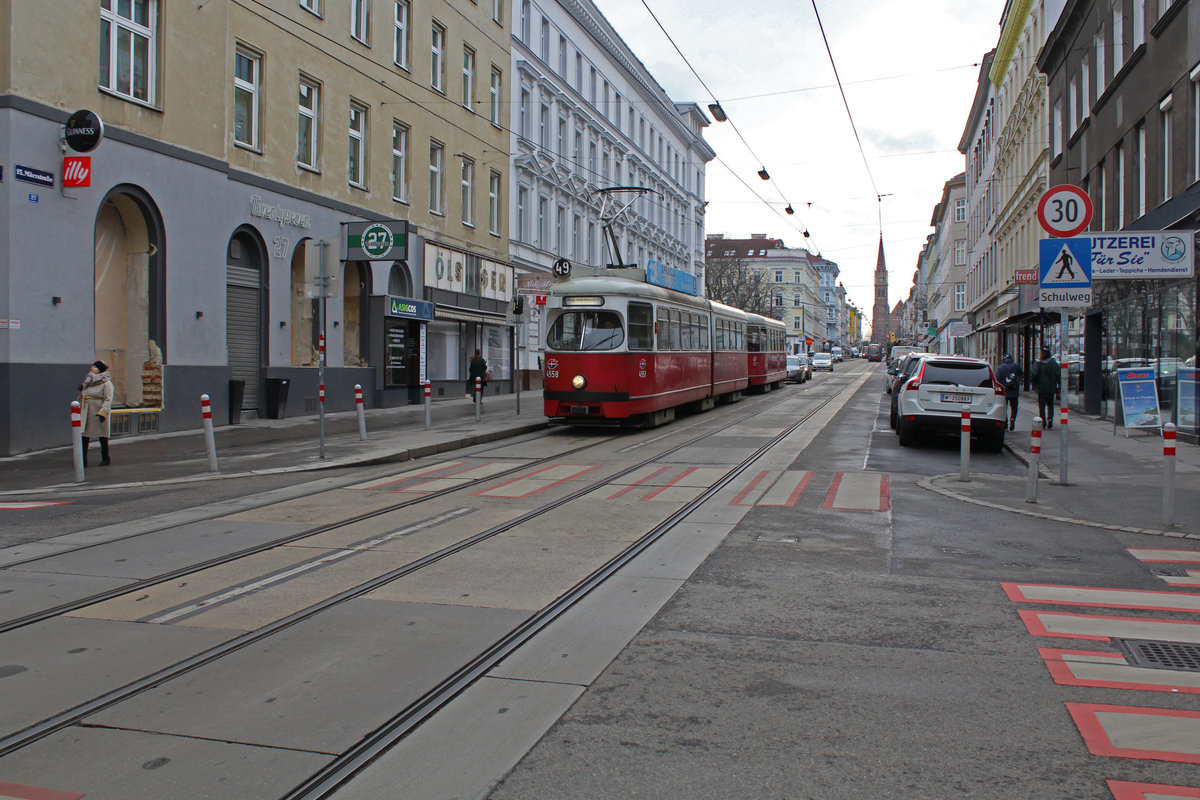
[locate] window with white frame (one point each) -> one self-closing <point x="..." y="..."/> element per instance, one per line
<point x="1119" y="178"/>
<point x="437" y="60"/>
<point x="1072" y="106"/>
<point x="576" y="231"/>
<point x="1085" y="88"/>
<point x="247" y="68"/>
<point x="308" y="123"/>
<point x="562" y="138"/>
<point x="522" y="214"/>
<point x="467" y="186"/>
<point x="1118" y="35"/>
<point x="494" y="203"/>
<point x="960" y="297"/>
<point x="544" y="127"/>
<point x="468" y="78"/>
<point x="437" y="171"/>
<point x="399" y="161"/>
<point x="311" y="5"/>
<point x="1195" y="76"/>
<point x="1139" y="23"/>
<point x="402" y="30"/>
<point x="960" y="252"/>
<point x="494" y="93"/>
<point x="1164" y="137"/>
<point x="523" y="121"/>
<point x="1056" y="129"/>
<point x="562" y="55"/>
<point x="543" y="222"/>
<point x="544" y="41"/>
<point x="526" y="21"/>
<point x="560" y="230"/>
<point x="1098" y="46"/>
<point x="960" y="210"/>
<point x="357" y="153"/>
<point x="360" y="20"/>
<point x="497" y="6"/>
<point x="128" y="41"/>
<point x="1140" y="164"/>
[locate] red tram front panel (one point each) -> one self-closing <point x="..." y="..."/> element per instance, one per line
<point x="622" y="385"/>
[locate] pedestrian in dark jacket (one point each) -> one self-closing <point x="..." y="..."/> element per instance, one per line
<point x="476" y="368"/>
<point x="1009" y="374"/>
<point x="1046" y="382"/>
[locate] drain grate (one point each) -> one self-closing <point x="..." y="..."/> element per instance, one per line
<point x="1161" y="655"/>
<point x="1171" y="572"/>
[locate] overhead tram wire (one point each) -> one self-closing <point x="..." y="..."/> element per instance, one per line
<point x="724" y="117"/>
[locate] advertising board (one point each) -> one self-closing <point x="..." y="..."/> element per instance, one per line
<point x="1143" y="254"/>
<point x="1139" y="398"/>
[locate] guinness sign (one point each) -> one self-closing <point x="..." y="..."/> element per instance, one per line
<point x="84" y="130"/>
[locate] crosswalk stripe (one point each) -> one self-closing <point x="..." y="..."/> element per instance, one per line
<point x="1109" y="598"/>
<point x="28" y="504"/>
<point x="1162" y="734"/>
<point x="1063" y="625"/>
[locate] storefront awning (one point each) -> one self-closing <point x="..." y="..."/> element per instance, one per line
<point x="476" y="316"/>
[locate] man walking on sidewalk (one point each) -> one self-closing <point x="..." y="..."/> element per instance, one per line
<point x="1009" y="375"/>
<point x="1046" y="382"/>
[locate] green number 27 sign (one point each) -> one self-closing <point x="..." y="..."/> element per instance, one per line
<point x="376" y="241"/>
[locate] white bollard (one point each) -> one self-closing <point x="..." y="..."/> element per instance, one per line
<point x="210" y="440"/>
<point x="478" y="397"/>
<point x="428" y="405"/>
<point x="964" y="448"/>
<point x="1035" y="453"/>
<point x="77" y="440"/>
<point x="1062" y="428"/>
<point x="362" y="417"/>
<point x="1168" y="512"/>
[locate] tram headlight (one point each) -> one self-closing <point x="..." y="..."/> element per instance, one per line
<point x="579" y="382"/>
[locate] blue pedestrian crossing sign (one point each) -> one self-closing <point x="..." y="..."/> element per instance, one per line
<point x="1065" y="272"/>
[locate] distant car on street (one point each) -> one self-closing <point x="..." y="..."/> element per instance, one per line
<point x="798" y="369"/>
<point x="822" y="361"/>
<point x="941" y="388"/>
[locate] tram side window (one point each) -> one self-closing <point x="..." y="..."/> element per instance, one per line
<point x="740" y="340"/>
<point x="641" y="326"/>
<point x="664" y="329"/>
<point x="754" y="339"/>
<point x="687" y="332"/>
<point x="675" y="338"/>
<point x="704" y="320"/>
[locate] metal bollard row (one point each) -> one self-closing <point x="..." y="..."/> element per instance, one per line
<point x="210" y="440"/>
<point x="77" y="439"/>
<point x="964" y="448"/>
<point x="362" y="417"/>
<point x="1035" y="453"/>
<point x="1168" y="510"/>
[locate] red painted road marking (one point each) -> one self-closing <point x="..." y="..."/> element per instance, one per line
<point x="670" y="483"/>
<point x="1127" y="790"/>
<point x="860" y="485"/>
<point x="22" y="506"/>
<point x="1104" y="598"/>
<point x="1106" y="671"/>
<point x="530" y="484"/>
<point x="1148" y="556"/>
<point x="19" y="792"/>
<point x="640" y="482"/>
<point x="1100" y="724"/>
<point x="421" y="473"/>
<point x="792" y="497"/>
<point x="737" y="501"/>
<point x="1064" y="625"/>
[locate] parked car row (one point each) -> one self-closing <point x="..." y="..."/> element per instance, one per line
<point x="799" y="369"/>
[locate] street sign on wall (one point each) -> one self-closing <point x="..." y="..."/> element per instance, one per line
<point x="1065" y="273"/>
<point x="376" y="241"/>
<point x="1064" y="210"/>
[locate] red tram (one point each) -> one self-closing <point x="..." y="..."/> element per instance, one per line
<point x="621" y="349"/>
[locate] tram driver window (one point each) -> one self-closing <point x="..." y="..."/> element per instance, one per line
<point x="586" y="330"/>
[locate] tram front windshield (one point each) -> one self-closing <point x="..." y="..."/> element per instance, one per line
<point x="586" y="330"/>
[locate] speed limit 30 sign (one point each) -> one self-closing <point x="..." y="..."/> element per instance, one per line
<point x="1064" y="210"/>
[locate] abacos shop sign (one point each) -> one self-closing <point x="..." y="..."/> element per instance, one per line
<point x="277" y="213"/>
<point x="456" y="271"/>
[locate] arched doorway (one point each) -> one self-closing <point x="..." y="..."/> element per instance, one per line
<point x="129" y="296"/>
<point x="356" y="289"/>
<point x="305" y="311"/>
<point x="400" y="282"/>
<point x="244" y="283"/>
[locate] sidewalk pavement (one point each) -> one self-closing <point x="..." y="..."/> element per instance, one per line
<point x="1115" y="480"/>
<point x="267" y="446"/>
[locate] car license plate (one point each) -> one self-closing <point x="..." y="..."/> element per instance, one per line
<point x="955" y="398"/>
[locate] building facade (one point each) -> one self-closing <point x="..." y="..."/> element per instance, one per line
<point x="191" y="247"/>
<point x="588" y="117"/>
<point x="944" y="281"/>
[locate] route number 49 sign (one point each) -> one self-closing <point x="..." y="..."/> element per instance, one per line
<point x="1064" y="210"/>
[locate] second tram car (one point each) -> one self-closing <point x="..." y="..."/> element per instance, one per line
<point x="620" y="349"/>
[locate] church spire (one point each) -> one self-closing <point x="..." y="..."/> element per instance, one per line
<point x="881" y="316"/>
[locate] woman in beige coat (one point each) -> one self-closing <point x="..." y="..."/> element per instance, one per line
<point x="95" y="397"/>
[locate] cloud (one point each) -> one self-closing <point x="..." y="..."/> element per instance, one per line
<point x="889" y="143"/>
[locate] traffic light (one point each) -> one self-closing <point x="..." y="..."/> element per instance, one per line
<point x="519" y="305"/>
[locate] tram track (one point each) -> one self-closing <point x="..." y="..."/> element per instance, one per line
<point x="354" y="758"/>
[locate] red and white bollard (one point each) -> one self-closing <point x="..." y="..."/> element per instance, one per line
<point x="1062" y="429"/>
<point x="1168" y="512"/>
<point x="478" y="397"/>
<point x="77" y="439"/>
<point x="428" y="405"/>
<point x="210" y="440"/>
<point x="1035" y="453"/>
<point x="362" y="417"/>
<point x="964" y="448"/>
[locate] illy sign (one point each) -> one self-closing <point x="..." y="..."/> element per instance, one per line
<point x="77" y="171"/>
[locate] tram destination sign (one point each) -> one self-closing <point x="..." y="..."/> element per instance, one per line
<point x="375" y="241"/>
<point x="1143" y="254"/>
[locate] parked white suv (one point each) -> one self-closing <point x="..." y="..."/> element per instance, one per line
<point x="941" y="388"/>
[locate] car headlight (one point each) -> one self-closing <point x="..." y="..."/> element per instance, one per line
<point x="579" y="382"/>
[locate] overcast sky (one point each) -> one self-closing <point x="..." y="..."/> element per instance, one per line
<point x="909" y="69"/>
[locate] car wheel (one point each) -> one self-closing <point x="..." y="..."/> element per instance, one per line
<point x="995" y="442"/>
<point x="907" y="436"/>
<point x="892" y="418"/>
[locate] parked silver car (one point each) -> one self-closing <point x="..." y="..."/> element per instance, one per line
<point x="940" y="389"/>
<point x="798" y="368"/>
<point x="822" y="361"/>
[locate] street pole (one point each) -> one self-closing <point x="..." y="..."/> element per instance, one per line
<point x="517" y="375"/>
<point x="321" y="281"/>
<point x="1063" y="383"/>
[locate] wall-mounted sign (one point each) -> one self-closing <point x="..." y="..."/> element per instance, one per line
<point x="83" y="131"/>
<point x="409" y="308"/>
<point x="465" y="273"/>
<point x="376" y="241"/>
<point x="660" y="274"/>
<point x="77" y="171"/>
<point x="1143" y="254"/>
<point x="32" y="175"/>
<point x="276" y="213"/>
